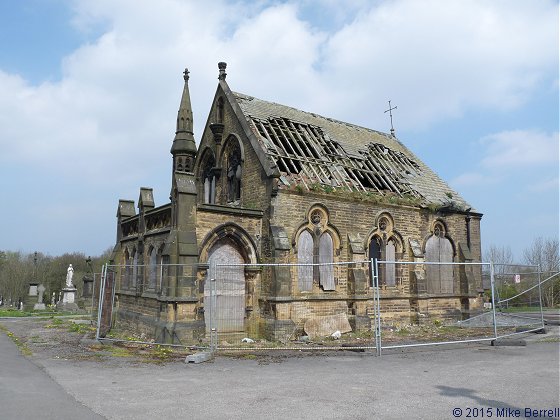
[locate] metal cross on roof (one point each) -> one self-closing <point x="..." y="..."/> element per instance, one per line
<point x="391" y="116"/>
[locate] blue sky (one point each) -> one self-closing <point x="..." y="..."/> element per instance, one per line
<point x="90" y="90"/>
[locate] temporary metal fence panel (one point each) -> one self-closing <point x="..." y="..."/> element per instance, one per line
<point x="519" y="303"/>
<point x="148" y="304"/>
<point x="359" y="305"/>
<point x="270" y="306"/>
<point x="432" y="303"/>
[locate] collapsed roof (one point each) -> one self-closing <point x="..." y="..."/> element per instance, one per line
<point x="310" y="150"/>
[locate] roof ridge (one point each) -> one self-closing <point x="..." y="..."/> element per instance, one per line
<point x="315" y="115"/>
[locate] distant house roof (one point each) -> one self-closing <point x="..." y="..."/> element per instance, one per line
<point x="310" y="150"/>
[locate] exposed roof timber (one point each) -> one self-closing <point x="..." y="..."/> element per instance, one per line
<point x="306" y="154"/>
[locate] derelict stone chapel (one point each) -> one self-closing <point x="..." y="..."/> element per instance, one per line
<point x="269" y="184"/>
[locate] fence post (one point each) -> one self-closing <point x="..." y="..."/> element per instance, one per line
<point x="492" y="287"/>
<point x="213" y="331"/>
<point x="376" y="305"/>
<point x="540" y="295"/>
<point x="100" y="303"/>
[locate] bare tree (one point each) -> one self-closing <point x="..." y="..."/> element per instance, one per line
<point x="500" y="256"/>
<point x="544" y="252"/>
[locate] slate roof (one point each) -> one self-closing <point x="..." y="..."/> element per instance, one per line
<point x="311" y="150"/>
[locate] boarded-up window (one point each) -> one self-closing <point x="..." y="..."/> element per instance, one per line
<point x="126" y="276"/>
<point x="305" y="256"/>
<point x="326" y="271"/>
<point x="390" y="268"/>
<point x="152" y="269"/>
<point x="439" y="277"/>
<point x="134" y="269"/>
<point x="225" y="308"/>
<point x="375" y="253"/>
<point x="384" y="252"/>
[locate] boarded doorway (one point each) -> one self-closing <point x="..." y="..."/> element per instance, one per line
<point x="228" y="307"/>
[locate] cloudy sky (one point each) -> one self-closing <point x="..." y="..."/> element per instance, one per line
<point x="89" y="92"/>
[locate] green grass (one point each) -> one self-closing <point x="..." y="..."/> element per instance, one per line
<point x="21" y="346"/>
<point x="80" y="328"/>
<point x="9" y="313"/>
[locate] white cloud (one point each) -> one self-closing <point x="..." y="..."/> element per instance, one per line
<point x="435" y="59"/>
<point x="545" y="185"/>
<point x="520" y="149"/>
<point x="110" y="119"/>
<point x="470" y="179"/>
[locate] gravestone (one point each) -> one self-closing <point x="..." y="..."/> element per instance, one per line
<point x="39" y="306"/>
<point x="31" y="298"/>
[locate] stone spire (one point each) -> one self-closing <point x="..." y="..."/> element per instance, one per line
<point x="184" y="144"/>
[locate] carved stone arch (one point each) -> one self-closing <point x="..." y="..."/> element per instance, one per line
<point x="385" y="243"/>
<point x="201" y="160"/>
<point x="152" y="258"/>
<point x="237" y="235"/>
<point x="317" y="221"/>
<point x="432" y="232"/>
<point x="399" y="241"/>
<point x="316" y="241"/>
<point x="232" y="163"/>
<point x="384" y="222"/>
<point x="232" y="138"/>
<point x="439" y="248"/>
<point x="206" y="176"/>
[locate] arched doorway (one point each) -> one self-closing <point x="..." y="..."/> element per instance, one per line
<point x="226" y="311"/>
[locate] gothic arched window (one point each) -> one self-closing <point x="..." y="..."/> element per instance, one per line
<point x="220" y="110"/>
<point x="134" y="276"/>
<point x="383" y="247"/>
<point x="326" y="258"/>
<point x="234" y="171"/>
<point x="315" y="246"/>
<point x="152" y="268"/>
<point x="439" y="277"/>
<point x="127" y="270"/>
<point x="305" y="256"/>
<point x="209" y="181"/>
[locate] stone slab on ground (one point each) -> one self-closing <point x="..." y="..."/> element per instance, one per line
<point x="198" y="357"/>
<point x="324" y="326"/>
<point x="509" y="342"/>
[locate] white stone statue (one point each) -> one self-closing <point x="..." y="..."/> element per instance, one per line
<point x="69" y="274"/>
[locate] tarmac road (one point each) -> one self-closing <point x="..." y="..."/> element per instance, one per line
<point x="427" y="383"/>
<point x="28" y="392"/>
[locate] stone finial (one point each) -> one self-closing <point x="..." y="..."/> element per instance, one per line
<point x="186" y="74"/>
<point x="222" y="67"/>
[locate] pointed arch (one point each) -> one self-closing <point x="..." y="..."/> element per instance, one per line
<point x="207" y="176"/>
<point x="152" y="267"/>
<point x="326" y="258"/>
<point x="316" y="242"/>
<point x="304" y="257"/>
<point x="220" y="110"/>
<point x="439" y="249"/>
<point x="127" y="269"/>
<point x="236" y="234"/>
<point x="232" y="160"/>
<point x="385" y="244"/>
<point x="134" y="278"/>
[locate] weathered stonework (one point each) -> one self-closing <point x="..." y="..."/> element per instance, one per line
<point x="265" y="186"/>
